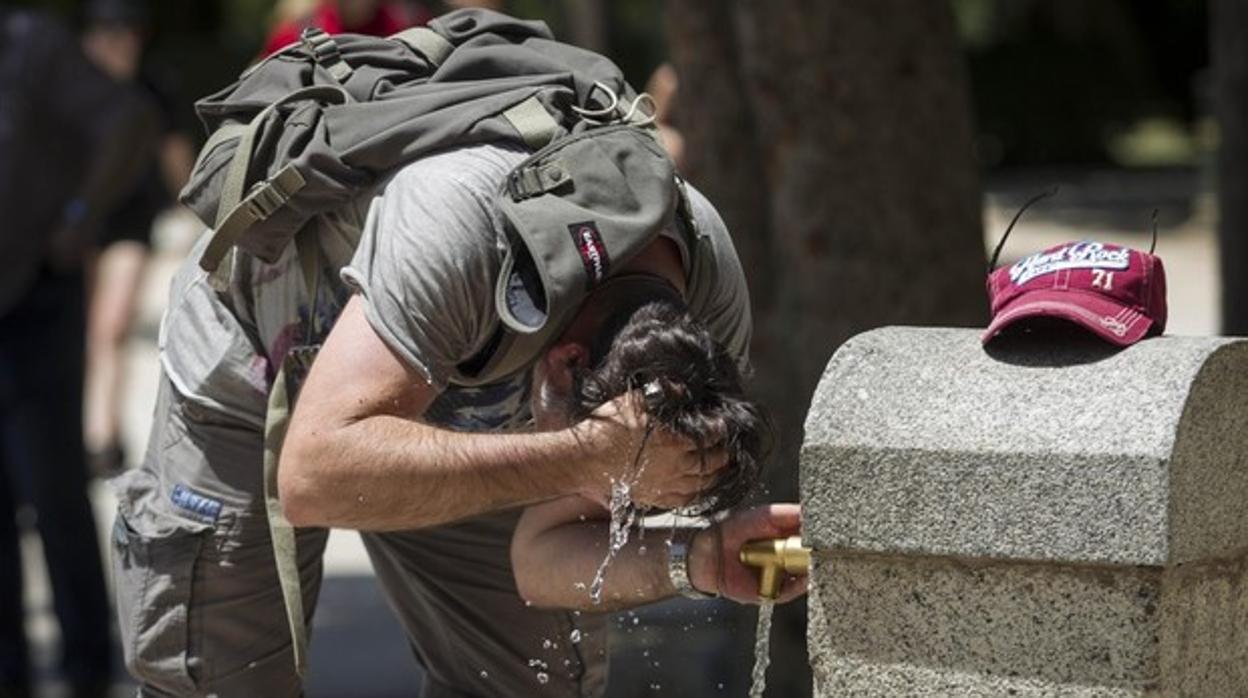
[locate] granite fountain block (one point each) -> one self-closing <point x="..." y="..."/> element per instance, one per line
<point x="1037" y="518"/>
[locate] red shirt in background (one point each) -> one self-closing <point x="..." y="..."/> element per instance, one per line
<point x="391" y="17"/>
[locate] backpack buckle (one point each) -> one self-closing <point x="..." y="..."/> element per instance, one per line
<point x="325" y="52"/>
<point x="271" y="194"/>
<point x="528" y="182"/>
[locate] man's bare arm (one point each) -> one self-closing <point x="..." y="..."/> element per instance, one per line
<point x="559" y="545"/>
<point x="357" y="455"/>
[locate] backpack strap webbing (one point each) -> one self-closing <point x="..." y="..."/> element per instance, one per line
<point x="282" y="534"/>
<point x="428" y="43"/>
<point x="325" y="52"/>
<point x="236" y="214"/>
<point x="534" y="124"/>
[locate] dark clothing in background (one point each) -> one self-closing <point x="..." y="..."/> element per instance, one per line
<point x="42" y="463"/>
<point x="133" y="217"/>
<point x="55" y="108"/>
<point x="70" y="139"/>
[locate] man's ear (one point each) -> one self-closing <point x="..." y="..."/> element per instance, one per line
<point x="562" y="362"/>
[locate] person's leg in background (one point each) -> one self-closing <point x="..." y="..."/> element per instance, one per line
<point x="115" y="287"/>
<point x="14" y="656"/>
<point x="42" y="347"/>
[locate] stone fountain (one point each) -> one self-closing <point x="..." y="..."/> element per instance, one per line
<point x="1038" y="518"/>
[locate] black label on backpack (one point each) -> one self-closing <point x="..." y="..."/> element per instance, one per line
<point x="593" y="253"/>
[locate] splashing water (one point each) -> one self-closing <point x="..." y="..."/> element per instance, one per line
<point x="762" y="650"/>
<point x="623" y="516"/>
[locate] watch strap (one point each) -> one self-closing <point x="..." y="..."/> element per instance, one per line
<point x="678" y="548"/>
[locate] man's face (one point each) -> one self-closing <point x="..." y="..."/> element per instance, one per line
<point x="553" y="375"/>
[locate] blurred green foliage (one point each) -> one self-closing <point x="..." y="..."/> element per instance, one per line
<point x="1069" y="81"/>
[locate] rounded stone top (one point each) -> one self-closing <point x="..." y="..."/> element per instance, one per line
<point x="922" y="440"/>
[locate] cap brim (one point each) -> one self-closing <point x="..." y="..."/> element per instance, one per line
<point x="519" y="295"/>
<point x="1114" y="322"/>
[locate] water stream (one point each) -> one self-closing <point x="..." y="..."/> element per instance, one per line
<point x="762" y="650"/>
<point x="623" y="516"/>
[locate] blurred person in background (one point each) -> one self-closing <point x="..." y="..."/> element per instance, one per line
<point x="662" y="87"/>
<point x="373" y="17"/>
<point x="114" y="40"/>
<point x="69" y="141"/>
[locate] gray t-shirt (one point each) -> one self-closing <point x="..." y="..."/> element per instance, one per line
<point x="430" y="249"/>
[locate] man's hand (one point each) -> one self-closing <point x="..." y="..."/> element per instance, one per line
<point x="671" y="471"/>
<point x="714" y="561"/>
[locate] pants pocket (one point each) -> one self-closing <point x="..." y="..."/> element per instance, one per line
<point x="154" y="557"/>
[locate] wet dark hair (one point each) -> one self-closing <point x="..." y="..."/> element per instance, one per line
<point x="695" y="390"/>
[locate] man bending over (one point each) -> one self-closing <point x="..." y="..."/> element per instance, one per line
<point x="388" y="438"/>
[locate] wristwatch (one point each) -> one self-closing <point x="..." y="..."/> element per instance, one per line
<point x="678" y="564"/>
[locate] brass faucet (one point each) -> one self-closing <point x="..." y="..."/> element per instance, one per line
<point x="773" y="556"/>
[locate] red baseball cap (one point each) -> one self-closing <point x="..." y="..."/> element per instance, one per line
<point x="1116" y="292"/>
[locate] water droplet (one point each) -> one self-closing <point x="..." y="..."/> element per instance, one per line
<point x="641" y="550"/>
<point x="547" y="644"/>
<point x="485" y="674"/>
<point x="575" y="636"/>
<point x="542" y="677"/>
<point x="636" y="620"/>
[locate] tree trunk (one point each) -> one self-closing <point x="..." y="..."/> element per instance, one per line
<point x="835" y="139"/>
<point x="587" y="20"/>
<point x="1228" y="20"/>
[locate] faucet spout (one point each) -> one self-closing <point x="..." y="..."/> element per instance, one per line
<point x="775" y="557"/>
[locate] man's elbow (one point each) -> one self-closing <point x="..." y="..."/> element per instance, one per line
<point x="535" y="590"/>
<point x="301" y="489"/>
<point x="535" y="582"/>
<point x="531" y="585"/>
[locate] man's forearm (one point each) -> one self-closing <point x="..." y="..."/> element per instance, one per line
<point x="390" y="473"/>
<point x="557" y="568"/>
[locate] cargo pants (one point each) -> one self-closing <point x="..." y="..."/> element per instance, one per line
<point x="201" y="610"/>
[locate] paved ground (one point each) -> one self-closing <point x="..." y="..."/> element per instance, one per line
<point x="358" y="650"/>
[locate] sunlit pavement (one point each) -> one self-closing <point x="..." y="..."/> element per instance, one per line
<point x="357" y="647"/>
